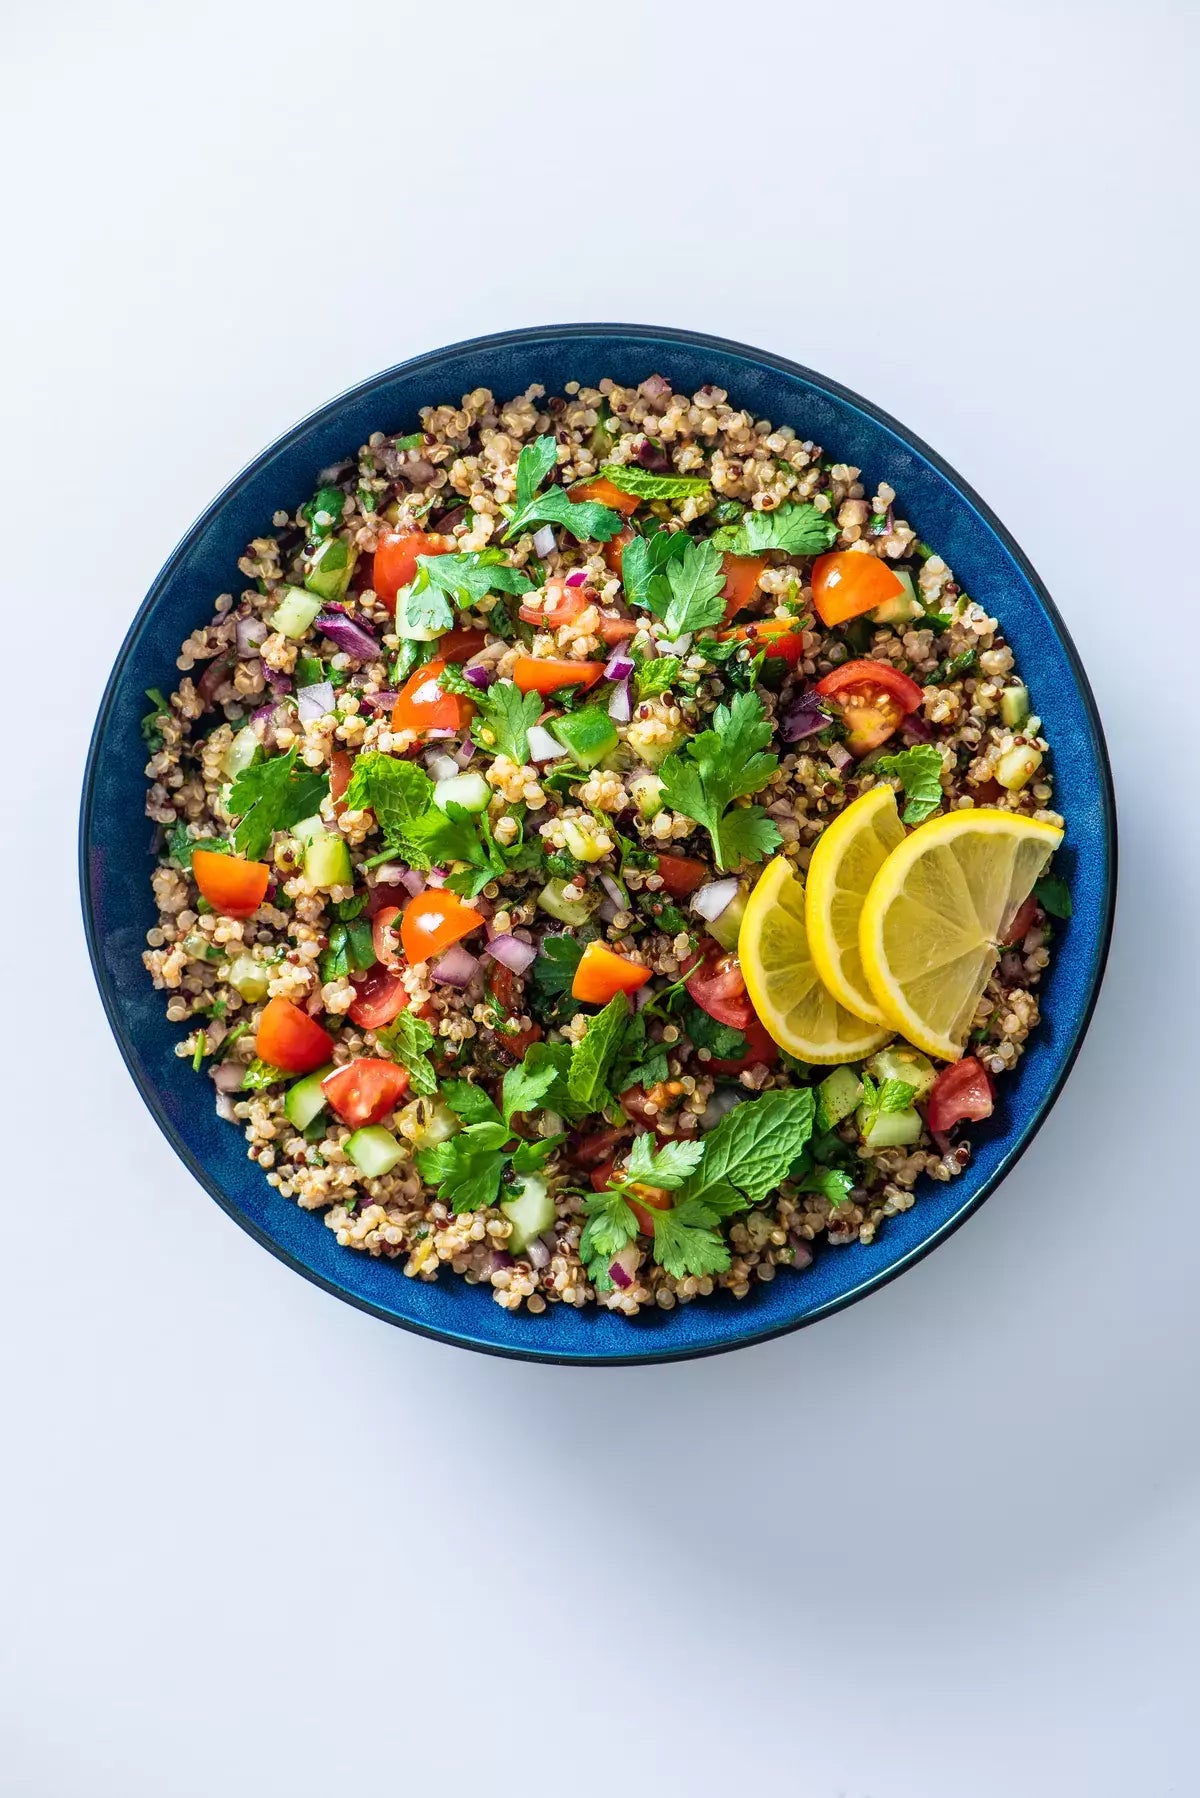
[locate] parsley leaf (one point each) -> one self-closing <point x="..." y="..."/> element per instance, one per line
<point x="259" y="1075"/>
<point x="685" y="1241"/>
<point x="408" y="1040"/>
<point x="557" y="960"/>
<point x="159" y="708"/>
<point x="919" y="771"/>
<point x="472" y="575"/>
<point x="400" y="794"/>
<point x="1052" y="894"/>
<point x="610" y="1226"/>
<point x="696" y="579"/>
<point x="505" y="714"/>
<point x="466" y="1169"/>
<point x="583" y="520"/>
<point x="528" y="1087"/>
<point x="593" y="1056"/>
<point x="644" y="564"/>
<point x="181" y="846"/>
<point x="469" y="1103"/>
<point x="752" y="1149"/>
<point x="721" y="1040"/>
<point x="726" y="763"/>
<point x="628" y="478"/>
<point x="537" y="460"/>
<point x="657" y="676"/>
<point x="270" y="796"/>
<point x="668" y="1166"/>
<point x="797" y="528"/>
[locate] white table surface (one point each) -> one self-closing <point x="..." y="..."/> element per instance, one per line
<point x="945" y="1545"/>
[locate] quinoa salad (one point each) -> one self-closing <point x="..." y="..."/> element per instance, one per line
<point x="552" y="837"/>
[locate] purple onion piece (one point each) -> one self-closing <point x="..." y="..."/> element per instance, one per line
<point x="316" y="701"/>
<point x="613" y="891"/>
<point x="537" y="1253"/>
<point x="251" y="633"/>
<point x="840" y="756"/>
<point x="455" y="968"/>
<point x="619" y="666"/>
<point x="227" y="1076"/>
<point x="620" y="706"/>
<point x="804" y="719"/>
<point x="463" y="755"/>
<point x="511" y="951"/>
<point x="577" y="577"/>
<point x="383" y="701"/>
<point x="280" y="684"/>
<point x="264" y="714"/>
<point x="480" y="675"/>
<point x="350" y="636"/>
<point x="917" y="728"/>
<point x="653" y="456"/>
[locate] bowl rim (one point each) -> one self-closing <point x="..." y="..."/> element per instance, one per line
<point x="499" y="340"/>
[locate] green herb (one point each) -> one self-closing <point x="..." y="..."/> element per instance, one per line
<point x="200" y="1052"/>
<point x="797" y="528"/>
<point x="888" y="1096"/>
<point x="583" y="520"/>
<point x="350" y="908"/>
<point x="723" y="764"/>
<point x="751" y="1150"/>
<point x="360" y="942"/>
<point x="671" y="919"/>
<point x="400" y="794"/>
<point x="658" y="676"/>
<point x="727" y="511"/>
<point x="637" y="1063"/>
<point x="593" y="1056"/>
<point x="270" y="796"/>
<point x="530" y="1086"/>
<point x="685" y="1239"/>
<point x="151" y="735"/>
<point x="951" y="669"/>
<point x="470" y="576"/>
<point x="412" y="654"/>
<point x="260" y="1074"/>
<point x="677" y="577"/>
<point x="468" y="1168"/>
<point x="721" y="1040"/>
<point x="367" y="500"/>
<point x="234" y="1035"/>
<point x="919" y="771"/>
<point x="408" y="1040"/>
<point x="470" y="1104"/>
<point x="414" y="441"/>
<point x="309" y="670"/>
<point x="181" y="847"/>
<point x="1054" y="896"/>
<point x="834" y="1183"/>
<point x="505" y="714"/>
<point x="323" y="513"/>
<point x="645" y="485"/>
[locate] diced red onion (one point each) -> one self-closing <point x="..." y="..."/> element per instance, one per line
<point x="337" y="471"/>
<point x="623" y="1267"/>
<point x="224" y="1108"/>
<point x="214" y="676"/>
<point x="251" y="632"/>
<point x="803" y="1256"/>
<point x="619" y="666"/>
<point x="392" y="891"/>
<point x="436" y="877"/>
<point x="620" y="706"/>
<point x="382" y="701"/>
<point x="227" y="1076"/>
<point x="840" y="756"/>
<point x="917" y="728"/>
<point x="655" y="387"/>
<point x="440" y="765"/>
<point x="315" y="701"/>
<point x="480" y="675"/>
<point x="455" y="967"/>
<point x="652" y="456"/>
<point x="280" y="684"/>
<point x="439" y="735"/>
<point x="537" y="1253"/>
<point x="463" y="755"/>
<point x="511" y="951"/>
<point x="542" y="746"/>
<point x="711" y="900"/>
<point x="543" y="541"/>
<point x="606" y="911"/>
<point x="804" y="719"/>
<point x="577" y="577"/>
<point x="613" y="890"/>
<point x="409" y="879"/>
<point x="264" y="714"/>
<point x="350" y="636"/>
<point x="643" y="995"/>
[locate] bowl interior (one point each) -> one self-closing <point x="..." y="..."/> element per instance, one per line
<point x="116" y="857"/>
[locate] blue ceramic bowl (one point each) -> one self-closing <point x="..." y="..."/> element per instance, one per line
<point x="115" y="857"/>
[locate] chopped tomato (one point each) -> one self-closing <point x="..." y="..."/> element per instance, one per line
<point x="379" y="996"/>
<point x="460" y="646"/>
<point x="601" y="1175"/>
<point x="714" y="981"/>
<point x="434" y="921"/>
<point x="681" y="875"/>
<point x="874" y="699"/>
<point x="288" y="1038"/>
<point x="563" y="605"/>
<point x="961" y="1093"/>
<point x="507" y="990"/>
<point x="1023" y="922"/>
<point x="606" y="494"/>
<point x="599" y="1147"/>
<point x="421" y="704"/>
<point x="602" y="974"/>
<point x="385" y="893"/>
<point x="774" y="636"/>
<point x="364" y="1091"/>
<point x="847" y="583"/>
<point x="231" y="885"/>
<point x="396" y="559"/>
<point x="614" y="549"/>
<point x="615" y="629"/>
<point x="761" y="1051"/>
<point x="341" y="766"/>
<point x="545" y="674"/>
<point x="384" y="940"/>
<point x="741" y="582"/>
<point x="652" y="1196"/>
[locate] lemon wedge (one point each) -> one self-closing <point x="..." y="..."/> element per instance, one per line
<point x="938" y="910"/>
<point x="783" y="984"/>
<point x="847" y="857"/>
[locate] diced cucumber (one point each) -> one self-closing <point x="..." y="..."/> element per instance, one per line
<point x="651" y="737"/>
<point x="1017" y="766"/>
<point x="531" y="1212"/>
<point x="567" y="911"/>
<point x="583" y="839"/>
<point x="327" y="862"/>
<point x="374" y="1150"/>
<point x="837" y="1096"/>
<point x="409" y="615"/>
<point x="241" y="752"/>
<point x="305" y="1100"/>
<point x="902" y="1063"/>
<point x="889" y="1129"/>
<point x="201" y="948"/>
<point x="587" y="735"/>
<point x="295" y="612"/>
<point x="249" y="977"/>
<point x="902" y="607"/>
<point x="1014" y="706"/>
<point x="309" y="829"/>
<point x="646" y="791"/>
<point x="330" y="569"/>
<point x="429" y="1122"/>
<point x="470" y="791"/>
<point x="726" y="927"/>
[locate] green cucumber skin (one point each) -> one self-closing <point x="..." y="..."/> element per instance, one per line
<point x="374" y="1151"/>
<point x="306" y="1100"/>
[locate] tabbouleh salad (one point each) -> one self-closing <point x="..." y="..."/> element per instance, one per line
<point x="478" y="806"/>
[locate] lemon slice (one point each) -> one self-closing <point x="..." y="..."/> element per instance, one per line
<point x="936" y="912"/>
<point x="782" y="982"/>
<point x="848" y="856"/>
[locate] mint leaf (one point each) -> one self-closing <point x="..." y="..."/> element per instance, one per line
<point x="399" y="793"/>
<point x="592" y="1058"/>
<point x="1052" y="894"/>
<point x="557" y="960"/>
<point x="753" y="1147"/>
<point x="797" y="528"/>
<point x="919" y="771"/>
<point x="408" y="1040"/>
<point x="271" y="796"/>
<point x="628" y="478"/>
<point x="891" y="1095"/>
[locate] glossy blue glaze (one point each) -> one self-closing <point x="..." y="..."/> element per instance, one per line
<point x="115" y="858"/>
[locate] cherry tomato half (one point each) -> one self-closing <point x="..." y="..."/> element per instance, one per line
<point x="288" y="1038"/>
<point x="741" y="582"/>
<point x="460" y="646"/>
<point x="614" y="549"/>
<point x="874" y="699"/>
<point x="681" y="875"/>
<point x="231" y="885"/>
<point x="379" y="996"/>
<point x="364" y="1091"/>
<point x="602" y="974"/>
<point x="435" y="920"/>
<point x="761" y="1051"/>
<point x="341" y="766"/>
<point x="961" y="1093"/>
<point x="774" y="636"/>
<point x="421" y="704"/>
<point x="545" y="674"/>
<point x="847" y="583"/>
<point x="605" y="494"/>
<point x="507" y="989"/>
<point x="396" y="559"/>
<point x="714" y="981"/>
<point x="385" y="939"/>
